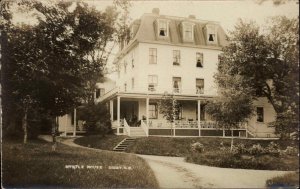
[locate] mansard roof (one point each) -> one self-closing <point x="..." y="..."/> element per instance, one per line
<point x="145" y="30"/>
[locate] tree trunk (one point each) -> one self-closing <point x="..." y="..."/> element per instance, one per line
<point x="231" y="144"/>
<point x="24" y="126"/>
<point x="53" y="124"/>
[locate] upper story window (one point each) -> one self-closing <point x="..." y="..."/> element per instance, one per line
<point x="100" y="92"/>
<point x="152" y="56"/>
<point x="199" y="60"/>
<point x="176" y="84"/>
<point x="259" y="114"/>
<point x="211" y="34"/>
<point x="152" y="82"/>
<point x="125" y="87"/>
<point x="176" y="57"/>
<point x="132" y="59"/>
<point x="188" y="32"/>
<point x="132" y="83"/>
<point x="125" y="67"/>
<point x="199" y="86"/>
<point x="163" y="30"/>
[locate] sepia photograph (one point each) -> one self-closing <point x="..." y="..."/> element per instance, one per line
<point x="149" y="94"/>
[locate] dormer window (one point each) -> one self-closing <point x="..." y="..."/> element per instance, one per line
<point x="163" y="30"/>
<point x="211" y="34"/>
<point x="188" y="31"/>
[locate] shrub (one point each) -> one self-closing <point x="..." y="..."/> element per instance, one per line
<point x="197" y="147"/>
<point x="256" y="149"/>
<point x="272" y="148"/>
<point x="287" y="180"/>
<point x="292" y="151"/>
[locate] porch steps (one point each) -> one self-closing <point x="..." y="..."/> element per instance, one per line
<point x="121" y="147"/>
<point x="137" y="132"/>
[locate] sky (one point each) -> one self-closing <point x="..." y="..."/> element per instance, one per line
<point x="225" y="12"/>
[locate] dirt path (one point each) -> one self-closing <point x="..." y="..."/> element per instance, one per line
<point x="173" y="172"/>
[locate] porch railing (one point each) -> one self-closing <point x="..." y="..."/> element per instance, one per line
<point x="126" y="127"/>
<point x="145" y="127"/>
<point x="187" y="124"/>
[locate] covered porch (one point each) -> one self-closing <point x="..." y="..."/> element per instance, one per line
<point x="139" y="116"/>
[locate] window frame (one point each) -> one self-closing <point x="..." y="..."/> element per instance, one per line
<point x="176" y="90"/>
<point x="201" y="56"/>
<point x="211" y="30"/>
<point x="152" y="83"/>
<point x="185" y="26"/>
<point x="152" y="56"/>
<point x="260" y="117"/>
<point x="200" y="91"/>
<point x="159" y="23"/>
<point x="151" y="104"/>
<point x="174" y="57"/>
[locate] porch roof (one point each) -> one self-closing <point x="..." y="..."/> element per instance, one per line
<point x="137" y="95"/>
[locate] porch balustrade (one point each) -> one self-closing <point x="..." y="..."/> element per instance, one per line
<point x="145" y="127"/>
<point x="126" y="127"/>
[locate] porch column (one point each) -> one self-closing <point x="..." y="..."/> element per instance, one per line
<point x="147" y="112"/>
<point x="246" y="130"/>
<point x="66" y="123"/>
<point x="111" y="109"/>
<point x="74" y="131"/>
<point x="199" y="123"/>
<point x="118" y="113"/>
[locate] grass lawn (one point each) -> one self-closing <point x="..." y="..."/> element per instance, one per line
<point x="35" y="165"/>
<point x="288" y="180"/>
<point x="213" y="156"/>
<point x="96" y="141"/>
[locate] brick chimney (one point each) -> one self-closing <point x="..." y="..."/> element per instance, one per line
<point x="192" y="16"/>
<point x="155" y="11"/>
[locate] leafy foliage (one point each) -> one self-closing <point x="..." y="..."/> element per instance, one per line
<point x="169" y="107"/>
<point x="48" y="66"/>
<point x="260" y="64"/>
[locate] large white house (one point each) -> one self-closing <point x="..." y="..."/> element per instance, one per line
<point x="178" y="56"/>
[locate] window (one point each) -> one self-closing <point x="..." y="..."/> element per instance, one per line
<point x="132" y="83"/>
<point x="176" y="57"/>
<point x="97" y="93"/>
<point x="199" y="59"/>
<point x="152" y="82"/>
<point x="211" y="37"/>
<point x="100" y="92"/>
<point x="220" y="58"/>
<point x="132" y="59"/>
<point x="199" y="86"/>
<point x="188" y="34"/>
<point x="176" y="84"/>
<point x="153" y="111"/>
<point x="260" y="114"/>
<point x="178" y="116"/>
<point x="211" y="34"/>
<point x="125" y="67"/>
<point x="152" y="56"/>
<point x="163" y="28"/>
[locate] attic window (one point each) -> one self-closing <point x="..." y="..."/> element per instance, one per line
<point x="163" y="28"/>
<point x="211" y="37"/>
<point x="188" y="33"/>
<point x="211" y="33"/>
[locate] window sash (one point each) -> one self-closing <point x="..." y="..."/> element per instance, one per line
<point x="188" y="32"/>
<point x="153" y="112"/>
<point x="199" y="59"/>
<point x="177" y="84"/>
<point x="152" y="56"/>
<point x="199" y="86"/>
<point x="176" y="57"/>
<point x="259" y="114"/>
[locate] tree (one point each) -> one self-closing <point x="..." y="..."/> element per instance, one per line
<point x="267" y="65"/>
<point x="49" y="63"/>
<point x="169" y="108"/>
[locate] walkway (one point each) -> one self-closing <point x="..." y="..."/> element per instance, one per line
<point x="174" y="172"/>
